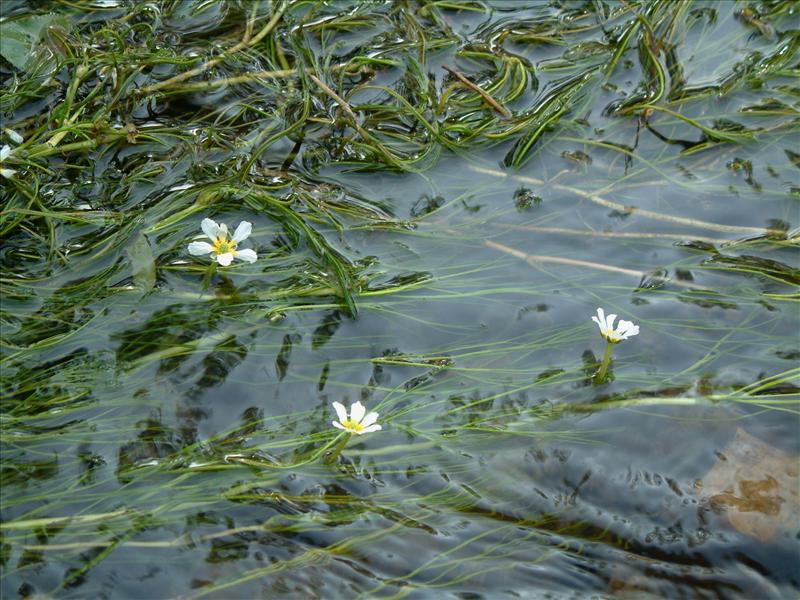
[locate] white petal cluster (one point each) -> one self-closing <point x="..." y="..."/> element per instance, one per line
<point x="357" y="423"/>
<point x="6" y="151"/>
<point x="223" y="247"/>
<point x="624" y="330"/>
<point x="14" y="136"/>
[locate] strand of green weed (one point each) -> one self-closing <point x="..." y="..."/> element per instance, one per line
<point x="246" y="42"/>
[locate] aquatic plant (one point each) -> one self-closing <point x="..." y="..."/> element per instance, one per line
<point x="5" y="152"/>
<point x="359" y="421"/>
<point x="438" y="190"/>
<point x="223" y="247"/>
<point x="612" y="335"/>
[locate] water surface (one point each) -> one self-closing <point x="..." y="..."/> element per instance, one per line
<point x="164" y="424"/>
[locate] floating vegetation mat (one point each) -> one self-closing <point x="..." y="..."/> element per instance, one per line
<point x="297" y="299"/>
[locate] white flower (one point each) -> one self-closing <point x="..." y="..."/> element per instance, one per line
<point x="5" y="151"/>
<point x="14" y="136"/>
<point x="624" y="330"/>
<point x="357" y="423"/>
<point x="222" y="246"/>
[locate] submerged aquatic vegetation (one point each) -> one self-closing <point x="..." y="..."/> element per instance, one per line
<point x="439" y="189"/>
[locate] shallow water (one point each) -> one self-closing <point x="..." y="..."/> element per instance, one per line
<point x="164" y="426"/>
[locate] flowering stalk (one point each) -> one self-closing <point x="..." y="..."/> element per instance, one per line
<point x="337" y="450"/>
<point x="612" y="335"/>
<point x="601" y="374"/>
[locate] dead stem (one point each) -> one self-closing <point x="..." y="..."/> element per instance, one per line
<point x="561" y="260"/>
<point x="479" y="90"/>
<point x="619" y="234"/>
<point x="362" y="132"/>
<point x="629" y="209"/>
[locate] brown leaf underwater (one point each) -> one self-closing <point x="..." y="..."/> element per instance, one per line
<point x="756" y="486"/>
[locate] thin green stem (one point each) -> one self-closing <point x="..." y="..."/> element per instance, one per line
<point x="334" y="454"/>
<point x="601" y="374"/>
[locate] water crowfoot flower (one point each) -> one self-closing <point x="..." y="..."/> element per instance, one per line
<point x="624" y="330"/>
<point x="5" y="152"/>
<point x="357" y="423"/>
<point x="223" y="247"/>
<point x="14" y="136"/>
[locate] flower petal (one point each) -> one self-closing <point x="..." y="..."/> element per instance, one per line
<point x="624" y="325"/>
<point x="225" y="259"/>
<point x="357" y="411"/>
<point x="247" y="255"/>
<point x="610" y="321"/>
<point x="627" y="329"/>
<point x="370" y="419"/>
<point x="7" y="173"/>
<point x="4" y="152"/>
<point x="242" y="231"/>
<point x="200" y="248"/>
<point x="601" y="315"/>
<point x="338" y="426"/>
<point x="14" y="136"/>
<point x="371" y="428"/>
<point x="210" y="228"/>
<point x="341" y="411"/>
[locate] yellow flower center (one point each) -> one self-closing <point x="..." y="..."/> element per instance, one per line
<point x="354" y="426"/>
<point x="223" y="245"/>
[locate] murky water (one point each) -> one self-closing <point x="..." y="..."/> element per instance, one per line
<point x="164" y="426"/>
